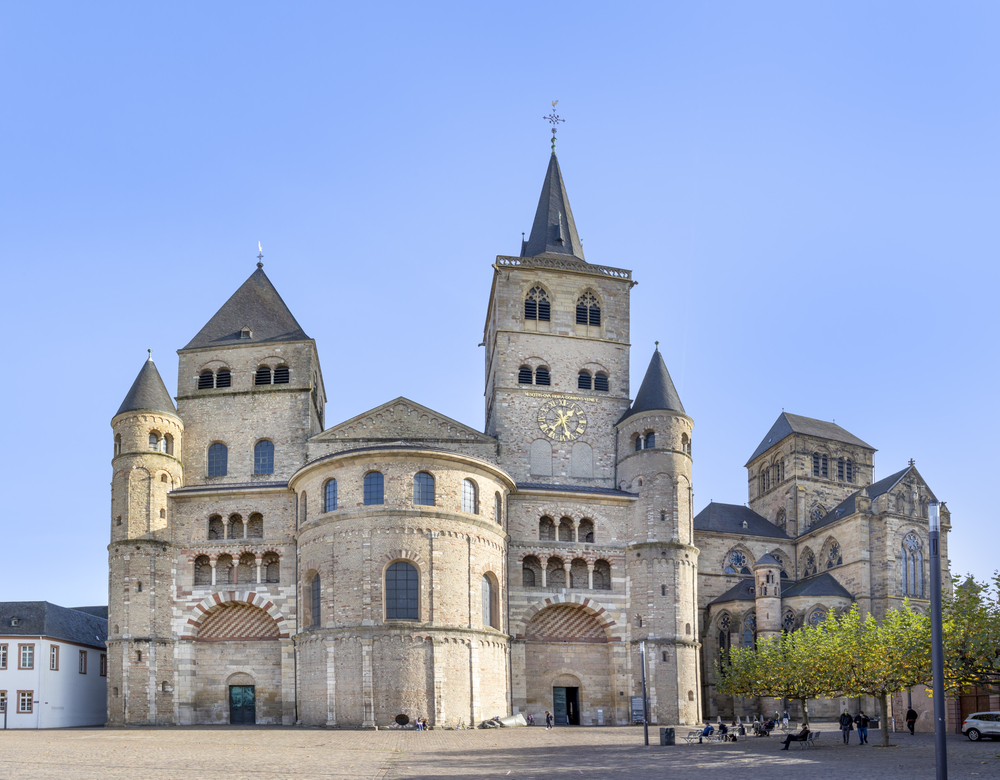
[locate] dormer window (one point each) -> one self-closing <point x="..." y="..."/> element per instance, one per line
<point x="246" y="333"/>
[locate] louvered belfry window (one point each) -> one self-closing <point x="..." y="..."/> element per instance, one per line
<point x="536" y="305"/>
<point x="524" y="376"/>
<point x="223" y="378"/>
<point x="281" y="375"/>
<point x="263" y="376"/>
<point x="583" y="380"/>
<point x="542" y="376"/>
<point x="588" y="310"/>
<point x="206" y="380"/>
<point x="601" y="382"/>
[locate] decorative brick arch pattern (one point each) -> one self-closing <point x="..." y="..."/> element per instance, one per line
<point x="575" y="602"/>
<point x="216" y="601"/>
<point x="402" y="555"/>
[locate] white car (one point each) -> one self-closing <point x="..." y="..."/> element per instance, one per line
<point x="982" y="724"/>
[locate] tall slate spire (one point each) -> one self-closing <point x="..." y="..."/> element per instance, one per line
<point x="553" y="231"/>
<point x="657" y="391"/>
<point x="148" y="392"/>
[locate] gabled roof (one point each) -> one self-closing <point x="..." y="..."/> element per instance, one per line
<point x="393" y="421"/>
<point x="824" y="584"/>
<point x="255" y="304"/>
<point x="657" y="391"/>
<point x="787" y="424"/>
<point x="554" y="230"/>
<point x="147" y="392"/>
<point x="741" y="591"/>
<point x="729" y="519"/>
<point x="848" y="506"/>
<point x="40" y="618"/>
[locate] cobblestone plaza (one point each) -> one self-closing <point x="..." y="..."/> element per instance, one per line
<point x="207" y="753"/>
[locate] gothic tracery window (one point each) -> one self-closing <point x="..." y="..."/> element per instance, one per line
<point x="537" y="305"/>
<point x="588" y="310"/>
<point x="736" y="563"/>
<point x="912" y="566"/>
<point x="833" y="556"/>
<point x="817" y="617"/>
<point x="788" y="620"/>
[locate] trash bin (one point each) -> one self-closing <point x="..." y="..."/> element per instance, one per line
<point x="666" y="736"/>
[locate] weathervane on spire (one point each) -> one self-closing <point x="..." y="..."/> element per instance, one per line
<point x="554" y="120"/>
<point x="260" y="257"/>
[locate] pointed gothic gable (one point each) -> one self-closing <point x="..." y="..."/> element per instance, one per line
<point x="405" y="422"/>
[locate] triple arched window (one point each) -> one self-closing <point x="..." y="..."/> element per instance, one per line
<point x="218" y="460"/>
<point x="540" y="376"/>
<point x="402" y="591"/>
<point x="470" y="497"/>
<point x="423" y="489"/>
<point x="330" y="495"/>
<point x="263" y="457"/>
<point x="208" y="379"/>
<point x="912" y="567"/>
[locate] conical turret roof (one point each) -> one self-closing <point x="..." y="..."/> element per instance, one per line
<point x="148" y="392"/>
<point x="554" y="230"/>
<point x="657" y="391"/>
<point x="257" y="305"/>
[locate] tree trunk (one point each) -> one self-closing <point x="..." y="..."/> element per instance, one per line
<point x="805" y="711"/>
<point x="883" y="705"/>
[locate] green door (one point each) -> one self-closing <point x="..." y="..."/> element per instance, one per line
<point x="242" y="705"/>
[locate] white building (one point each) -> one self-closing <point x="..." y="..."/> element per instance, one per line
<point x="53" y="665"/>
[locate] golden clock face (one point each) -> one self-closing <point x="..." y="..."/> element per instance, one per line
<point x="561" y="420"/>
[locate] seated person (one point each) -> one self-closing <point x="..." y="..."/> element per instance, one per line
<point x="800" y="737"/>
<point x="768" y="727"/>
<point x="709" y="730"/>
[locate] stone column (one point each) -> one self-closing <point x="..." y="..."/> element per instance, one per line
<point x="260" y="561"/>
<point x="545" y="572"/>
<point x="590" y="576"/>
<point x="212" y="563"/>
<point x="331" y="684"/>
<point x="244" y="521"/>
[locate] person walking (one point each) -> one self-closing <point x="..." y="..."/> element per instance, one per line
<point x="846" y="726"/>
<point x="911" y="719"/>
<point x="784" y="719"/>
<point x="548" y="720"/>
<point x="861" y="721"/>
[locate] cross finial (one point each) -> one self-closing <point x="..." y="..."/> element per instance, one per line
<point x="260" y="256"/>
<point x="554" y="120"/>
<point x="912" y="463"/>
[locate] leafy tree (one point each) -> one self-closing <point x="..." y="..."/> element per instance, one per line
<point x="971" y="622"/>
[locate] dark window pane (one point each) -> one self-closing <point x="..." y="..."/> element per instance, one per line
<point x="581" y="315"/>
<point x="542" y="376"/>
<point x="530" y="310"/>
<point x="374" y="489"/>
<point x="543" y="310"/>
<point x="524" y="376"/>
<point x="330" y="501"/>
<point x="601" y="382"/>
<point x="583" y="380"/>
<point x="218" y="457"/>
<point x="281" y="375"/>
<point x="263" y="457"/>
<point x="423" y="489"/>
<point x="206" y="380"/>
<point x="223" y="378"/>
<point x="402" y="591"/>
<point x="595" y="315"/>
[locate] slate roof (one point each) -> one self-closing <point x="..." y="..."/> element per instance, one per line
<point x="657" y="391"/>
<point x="256" y="304"/>
<point x="101" y="612"/>
<point x="40" y="618"/>
<point x="575" y="489"/>
<point x="148" y="392"/>
<point x="728" y="519"/>
<point x="848" y="506"/>
<point x="741" y="591"/>
<point x="787" y="424"/>
<point x="768" y="560"/>
<point x="824" y="584"/>
<point x="554" y="230"/>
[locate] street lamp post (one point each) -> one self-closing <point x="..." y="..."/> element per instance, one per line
<point x="937" y="645"/>
<point x="645" y="703"/>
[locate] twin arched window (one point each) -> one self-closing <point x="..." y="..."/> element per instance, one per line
<point x="221" y="378"/>
<point x="423" y="489"/>
<point x="156" y="444"/>
<point x="588" y="310"/>
<point x="540" y="376"/>
<point x="470" y="497"/>
<point x="374" y="488"/>
<point x="402" y="592"/>
<point x="645" y="442"/>
<point x="599" y="381"/>
<point x="537" y="305"/>
<point x="263" y="457"/>
<point x="330" y="495"/>
<point x="264" y="376"/>
<point x="845" y="470"/>
<point x="218" y="460"/>
<point x="820" y="465"/>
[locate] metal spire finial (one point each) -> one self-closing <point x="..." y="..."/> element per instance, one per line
<point x="260" y="257"/>
<point x="554" y="120"/>
<point x="150" y="354"/>
<point x="657" y="345"/>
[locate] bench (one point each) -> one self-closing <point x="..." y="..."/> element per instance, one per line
<point x="810" y="740"/>
<point x="693" y="736"/>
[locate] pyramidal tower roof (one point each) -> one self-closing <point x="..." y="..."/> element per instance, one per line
<point x="657" y="391"/>
<point x="148" y="392"/>
<point x="554" y="230"/>
<point x="257" y="306"/>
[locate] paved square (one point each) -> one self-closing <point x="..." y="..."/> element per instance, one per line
<point x="261" y="753"/>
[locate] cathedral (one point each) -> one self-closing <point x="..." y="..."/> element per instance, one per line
<point x="268" y="568"/>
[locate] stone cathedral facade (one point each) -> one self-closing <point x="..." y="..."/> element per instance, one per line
<point x="266" y="567"/>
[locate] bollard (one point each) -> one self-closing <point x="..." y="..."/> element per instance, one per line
<point x="666" y="736"/>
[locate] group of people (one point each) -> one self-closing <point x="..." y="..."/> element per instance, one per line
<point x="421" y="724"/>
<point x="847" y="724"/>
<point x="761" y="728"/>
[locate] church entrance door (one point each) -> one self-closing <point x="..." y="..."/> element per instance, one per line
<point x="566" y="706"/>
<point x="242" y="705"/>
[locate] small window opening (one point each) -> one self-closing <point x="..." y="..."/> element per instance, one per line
<point x="601" y="382"/>
<point x="583" y="381"/>
<point x="223" y="378"/>
<point x="281" y="375"/>
<point x="262" y="376"/>
<point x="536" y="305"/>
<point x="206" y="380"/>
<point x="542" y="376"/>
<point x="524" y="376"/>
<point x="246" y="332"/>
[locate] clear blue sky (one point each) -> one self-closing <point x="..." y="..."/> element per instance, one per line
<point x="806" y="192"/>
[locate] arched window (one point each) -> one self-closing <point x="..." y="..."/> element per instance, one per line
<point x="263" y="457"/>
<point x="470" y="497"/>
<point x="588" y="310"/>
<point x="423" y="489"/>
<point x="206" y="380"/>
<point x="685" y="444"/>
<point x="330" y="495"/>
<point x="531" y="572"/>
<point x="271" y="565"/>
<point x="788" y="619"/>
<point x="537" y="305"/>
<point x="601" y="382"/>
<point x="202" y="570"/>
<point x="402" y="592"/>
<point x="912" y="562"/>
<point x="566" y="530"/>
<point x="224" y="570"/>
<point x="602" y="575"/>
<point x="245" y="571"/>
<point x="555" y="573"/>
<point x="490" y="616"/>
<point x="374" y="488"/>
<point x="118" y="444"/>
<point x="527" y="577"/>
<point x="817" y="514"/>
<point x="808" y="563"/>
<point x="154" y="442"/>
<point x="850" y="470"/>
<point x="304" y="506"/>
<point x="736" y="563"/>
<point x="579" y="576"/>
<point x="781" y="520"/>
<point x="218" y="459"/>
<point x="216" y="528"/>
<point x="281" y="375"/>
<point x="262" y="376"/>
<point x="650" y="441"/>
<point x="815" y="464"/>
<point x="546" y="530"/>
<point x="816" y="617"/>
<point x="315" y="602"/>
<point x="223" y="378"/>
<point x="583" y="380"/>
<point x="255" y="526"/>
<point x="638" y="442"/>
<point x="235" y="528"/>
<point x="524" y="376"/>
<point x="541" y="376"/>
<point x="585" y="533"/>
<point x="168" y="444"/>
<point x="498" y="508"/>
<point x="833" y="556"/>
